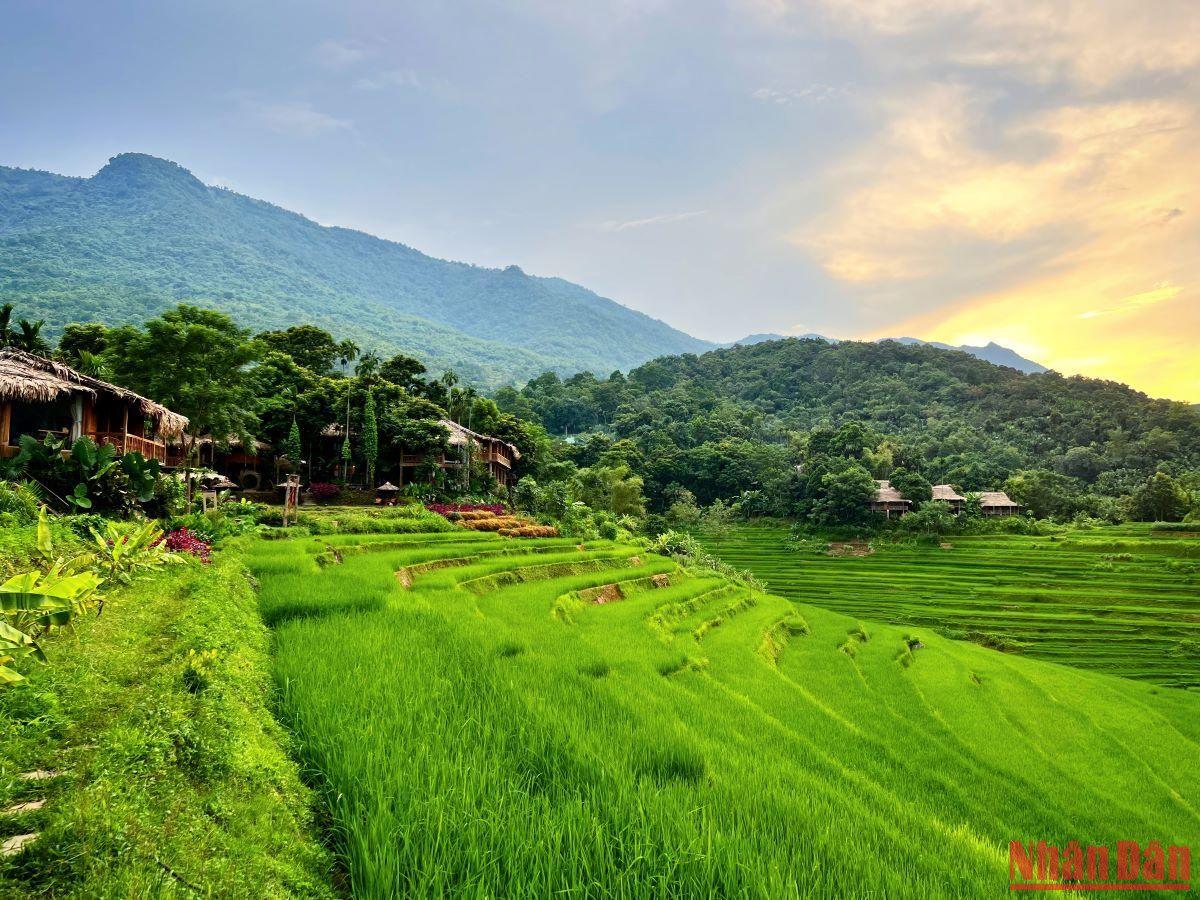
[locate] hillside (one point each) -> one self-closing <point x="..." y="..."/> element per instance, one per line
<point x="729" y="420"/>
<point x="144" y="233"/>
<point x="990" y="352"/>
<point x="670" y="732"/>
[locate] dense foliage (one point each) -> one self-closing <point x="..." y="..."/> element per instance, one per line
<point x="734" y="424"/>
<point x="144" y="234"/>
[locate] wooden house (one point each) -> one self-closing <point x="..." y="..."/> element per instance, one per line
<point x="250" y="468"/>
<point x="956" y="501"/>
<point x="998" y="503"/>
<point x="497" y="456"/>
<point x="41" y="397"/>
<point x="889" y="501"/>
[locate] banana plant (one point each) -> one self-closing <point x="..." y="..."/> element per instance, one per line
<point x="45" y="600"/>
<point x="124" y="552"/>
<point x="14" y="644"/>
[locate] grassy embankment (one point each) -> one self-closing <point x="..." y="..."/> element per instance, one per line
<point x="1124" y="600"/>
<point x="146" y="772"/>
<point x="479" y="724"/>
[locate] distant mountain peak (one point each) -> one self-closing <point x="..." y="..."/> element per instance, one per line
<point x="992" y="352"/>
<point x="144" y="233"/>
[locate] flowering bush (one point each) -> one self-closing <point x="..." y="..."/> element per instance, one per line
<point x="323" y="490"/>
<point x="181" y="540"/>
<point x="444" y="509"/>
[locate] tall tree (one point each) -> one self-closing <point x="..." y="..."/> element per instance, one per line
<point x="1160" y="499"/>
<point x="309" y="346"/>
<point x="370" y="437"/>
<point x="292" y="447"/>
<point x="195" y="361"/>
<point x="368" y="365"/>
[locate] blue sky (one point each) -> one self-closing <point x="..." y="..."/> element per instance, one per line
<point x="961" y="170"/>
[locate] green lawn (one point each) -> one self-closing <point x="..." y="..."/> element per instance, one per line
<point x="1124" y="600"/>
<point x="479" y="725"/>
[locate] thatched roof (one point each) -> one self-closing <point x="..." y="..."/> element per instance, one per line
<point x="461" y="436"/>
<point x="885" y="493"/>
<point x="996" y="498"/>
<point x="947" y="493"/>
<point x="35" y="379"/>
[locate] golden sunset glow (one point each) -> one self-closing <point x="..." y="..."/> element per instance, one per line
<point x="1063" y="225"/>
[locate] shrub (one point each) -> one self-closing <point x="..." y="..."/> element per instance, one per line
<point x="322" y="491"/>
<point x="181" y="540"/>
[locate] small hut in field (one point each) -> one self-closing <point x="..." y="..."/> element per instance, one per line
<point x="948" y="495"/>
<point x="43" y="397"/>
<point x="889" y="501"/>
<point x="998" y="503"/>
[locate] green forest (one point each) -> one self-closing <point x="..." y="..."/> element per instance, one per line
<point x="144" y="234"/>
<point x="801" y="427"/>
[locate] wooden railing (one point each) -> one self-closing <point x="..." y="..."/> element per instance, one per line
<point x="128" y="443"/>
<point x="502" y="458"/>
<point x="410" y="459"/>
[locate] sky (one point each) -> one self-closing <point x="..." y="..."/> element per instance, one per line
<point x="955" y="170"/>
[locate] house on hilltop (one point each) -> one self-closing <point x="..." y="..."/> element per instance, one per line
<point x="956" y="501"/>
<point x="998" y="503"/>
<point x="42" y="397"/>
<point x="888" y="500"/>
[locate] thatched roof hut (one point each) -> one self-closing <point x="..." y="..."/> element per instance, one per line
<point x="460" y="436"/>
<point x="27" y="378"/>
<point x="948" y="494"/>
<point x="888" y="500"/>
<point x="998" y="503"/>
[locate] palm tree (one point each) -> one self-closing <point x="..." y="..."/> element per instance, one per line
<point x="6" y="334"/>
<point x="93" y="365"/>
<point x="347" y="352"/>
<point x="368" y="365"/>
<point x="30" y="339"/>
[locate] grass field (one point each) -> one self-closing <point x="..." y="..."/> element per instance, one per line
<point x="1124" y="600"/>
<point x="487" y="717"/>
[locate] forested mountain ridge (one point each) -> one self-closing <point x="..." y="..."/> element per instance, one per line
<point x="144" y="233"/>
<point x="739" y="419"/>
<point x="990" y="352"/>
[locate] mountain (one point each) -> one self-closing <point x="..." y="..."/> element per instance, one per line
<point x="731" y="420"/>
<point x="143" y="234"/>
<point x="991" y="352"/>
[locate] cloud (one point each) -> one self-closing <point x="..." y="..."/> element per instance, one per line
<point x="1088" y="43"/>
<point x="813" y="93"/>
<point x="1158" y="294"/>
<point x="666" y="219"/>
<point x="391" y="78"/>
<point x="339" y="54"/>
<point x="1026" y="176"/>
<point x="296" y="118"/>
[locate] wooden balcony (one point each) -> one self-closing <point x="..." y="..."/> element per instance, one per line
<point x="444" y="462"/>
<point x="128" y="443"/>
<point x="494" y="456"/>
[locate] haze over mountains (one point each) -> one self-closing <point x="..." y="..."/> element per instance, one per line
<point x="143" y="234"/>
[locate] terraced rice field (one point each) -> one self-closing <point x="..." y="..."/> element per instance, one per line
<point x="1124" y="600"/>
<point x="493" y="717"/>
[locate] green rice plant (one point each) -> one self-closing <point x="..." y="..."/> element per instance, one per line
<point x="461" y="729"/>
